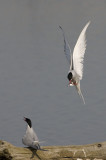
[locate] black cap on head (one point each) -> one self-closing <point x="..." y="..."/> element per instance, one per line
<point x="69" y="76"/>
<point x="28" y="121"/>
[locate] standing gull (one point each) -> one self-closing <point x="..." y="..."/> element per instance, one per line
<point x="30" y="139"/>
<point x="75" y="59"/>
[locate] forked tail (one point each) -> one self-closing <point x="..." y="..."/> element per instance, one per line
<point x="79" y="92"/>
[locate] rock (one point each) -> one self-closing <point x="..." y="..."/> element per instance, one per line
<point x="78" y="152"/>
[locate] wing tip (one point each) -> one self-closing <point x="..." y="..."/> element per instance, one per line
<point x="60" y="27"/>
<point x="88" y="24"/>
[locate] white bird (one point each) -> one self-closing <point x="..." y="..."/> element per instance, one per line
<point x="30" y="139"/>
<point x="75" y="59"/>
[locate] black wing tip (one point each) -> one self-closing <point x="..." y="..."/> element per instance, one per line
<point x="60" y="27"/>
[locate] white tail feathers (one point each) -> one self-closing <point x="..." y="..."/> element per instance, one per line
<point x="79" y="92"/>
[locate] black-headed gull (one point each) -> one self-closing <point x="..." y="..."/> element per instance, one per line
<point x="75" y="59"/>
<point x="30" y="138"/>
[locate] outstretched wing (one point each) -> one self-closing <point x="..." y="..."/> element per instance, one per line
<point x="79" y="51"/>
<point x="67" y="49"/>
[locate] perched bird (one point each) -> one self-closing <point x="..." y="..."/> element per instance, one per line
<point x="30" y="139"/>
<point x="75" y="59"/>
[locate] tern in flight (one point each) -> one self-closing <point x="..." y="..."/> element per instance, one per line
<point x="75" y="59"/>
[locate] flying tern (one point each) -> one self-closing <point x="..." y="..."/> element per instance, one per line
<point x="75" y="59"/>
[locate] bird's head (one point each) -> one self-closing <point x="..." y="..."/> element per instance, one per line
<point x="69" y="76"/>
<point x="28" y="121"/>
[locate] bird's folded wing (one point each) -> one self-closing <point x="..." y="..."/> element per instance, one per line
<point x="27" y="140"/>
<point x="34" y="136"/>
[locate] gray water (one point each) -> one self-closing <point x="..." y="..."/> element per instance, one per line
<point x="33" y="71"/>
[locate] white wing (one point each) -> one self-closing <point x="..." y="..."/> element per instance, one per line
<point x="67" y="49"/>
<point x="79" y="51"/>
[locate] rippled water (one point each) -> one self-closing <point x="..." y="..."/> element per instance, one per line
<point x="33" y="71"/>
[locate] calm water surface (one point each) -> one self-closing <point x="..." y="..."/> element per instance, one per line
<point x="33" y="71"/>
